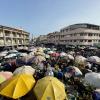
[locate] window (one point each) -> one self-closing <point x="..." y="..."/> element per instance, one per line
<point x="81" y="34"/>
<point x="89" y="34"/>
<point x="75" y="34"/>
<point x="71" y="35"/>
<point x="81" y="40"/>
<point x="89" y="40"/>
<point x="70" y="40"/>
<point x="66" y="30"/>
<point x="96" y="34"/>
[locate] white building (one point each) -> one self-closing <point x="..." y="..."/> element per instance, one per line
<point x="77" y="34"/>
<point x="42" y="39"/>
<point x="13" y="37"/>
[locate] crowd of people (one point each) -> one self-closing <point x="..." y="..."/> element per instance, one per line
<point x="69" y="67"/>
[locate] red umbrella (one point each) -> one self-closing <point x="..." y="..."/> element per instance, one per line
<point x="55" y="54"/>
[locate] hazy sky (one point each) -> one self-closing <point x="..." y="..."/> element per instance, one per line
<point x="44" y="16"/>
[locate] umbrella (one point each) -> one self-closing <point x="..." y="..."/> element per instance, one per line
<point x="93" y="79"/>
<point x="10" y="55"/>
<point x="62" y="54"/>
<point x="55" y="54"/>
<point x="77" y="71"/>
<point x="50" y="52"/>
<point x="6" y="74"/>
<point x="38" y="59"/>
<point x="98" y="90"/>
<point x="47" y="56"/>
<point x="49" y="88"/>
<point x="24" y="69"/>
<point x="2" y="79"/>
<point x="39" y="49"/>
<point x="24" y="60"/>
<point x="94" y="59"/>
<point x="23" y="54"/>
<point x="12" y="51"/>
<point x="17" y="86"/>
<point x="47" y="49"/>
<point x="70" y="57"/>
<point x="93" y="48"/>
<point x="31" y="53"/>
<point x="80" y="60"/>
<point x="71" y="52"/>
<point x="3" y="54"/>
<point x="73" y="71"/>
<point x="39" y="53"/>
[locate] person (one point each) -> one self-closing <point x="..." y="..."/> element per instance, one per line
<point x="13" y="64"/>
<point x="94" y="69"/>
<point x="60" y="75"/>
<point x="49" y="71"/>
<point x="56" y="67"/>
<point x="96" y="95"/>
<point x="53" y="62"/>
<point x="40" y="65"/>
<point x="80" y="87"/>
<point x="37" y="75"/>
<point x="88" y="65"/>
<point x="7" y="66"/>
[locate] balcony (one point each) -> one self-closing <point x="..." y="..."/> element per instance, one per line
<point x="1" y="42"/>
<point x="1" y="34"/>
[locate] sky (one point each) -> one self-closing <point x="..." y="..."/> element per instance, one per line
<point x="41" y="17"/>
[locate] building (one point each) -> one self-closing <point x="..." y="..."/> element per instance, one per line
<point x="42" y="39"/>
<point x="33" y="40"/>
<point x="53" y="38"/>
<point x="77" y="34"/>
<point x="13" y="37"/>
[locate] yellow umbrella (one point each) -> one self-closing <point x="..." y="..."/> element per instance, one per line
<point x="49" y="88"/>
<point x="39" y="49"/>
<point x="17" y="86"/>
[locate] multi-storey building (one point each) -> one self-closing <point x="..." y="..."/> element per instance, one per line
<point x="13" y="36"/>
<point x="77" y="34"/>
<point x="53" y="38"/>
<point x="33" y="40"/>
<point x="42" y="39"/>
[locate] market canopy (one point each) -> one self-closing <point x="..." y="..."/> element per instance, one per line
<point x="49" y="88"/>
<point x="11" y="55"/>
<point x="94" y="59"/>
<point x="80" y="60"/>
<point x="39" y="59"/>
<point x="25" y="70"/>
<point x="70" y="57"/>
<point x="93" y="79"/>
<point x="62" y="54"/>
<point x="13" y="51"/>
<point x="17" y="86"/>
